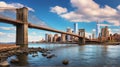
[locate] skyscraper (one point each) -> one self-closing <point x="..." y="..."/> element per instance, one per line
<point x="55" y="38"/>
<point x="93" y="34"/>
<point x="76" y="28"/>
<point x="97" y="30"/>
<point x="69" y="30"/>
<point x="50" y="38"/>
<point x="46" y="37"/>
<point x="105" y="32"/>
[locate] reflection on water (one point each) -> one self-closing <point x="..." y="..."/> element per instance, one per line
<point x="22" y="60"/>
<point x="84" y="55"/>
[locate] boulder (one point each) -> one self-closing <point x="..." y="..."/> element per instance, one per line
<point x="50" y="55"/>
<point x="65" y="62"/>
<point x="34" y="55"/>
<point x="44" y="54"/>
<point x="14" y="61"/>
<point x="4" y="64"/>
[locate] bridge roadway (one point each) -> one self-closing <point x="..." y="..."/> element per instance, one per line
<point x="16" y="22"/>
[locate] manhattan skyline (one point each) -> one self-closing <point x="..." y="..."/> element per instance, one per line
<point x="60" y="15"/>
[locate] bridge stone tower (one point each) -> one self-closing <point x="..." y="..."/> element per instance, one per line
<point x="81" y="41"/>
<point x="22" y="29"/>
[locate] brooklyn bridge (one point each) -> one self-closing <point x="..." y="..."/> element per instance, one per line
<point x="22" y="24"/>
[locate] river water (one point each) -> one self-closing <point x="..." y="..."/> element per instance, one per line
<point x="84" y="55"/>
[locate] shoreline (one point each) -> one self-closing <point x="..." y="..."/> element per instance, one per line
<point x="105" y="43"/>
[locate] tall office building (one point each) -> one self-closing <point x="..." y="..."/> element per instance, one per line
<point x="93" y="34"/>
<point x="97" y="29"/>
<point x="76" y="28"/>
<point x="55" y="38"/>
<point x="46" y="37"/>
<point x="69" y="30"/>
<point x="50" y="38"/>
<point x="105" y="32"/>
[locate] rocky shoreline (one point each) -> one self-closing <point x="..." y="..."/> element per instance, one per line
<point x="18" y="51"/>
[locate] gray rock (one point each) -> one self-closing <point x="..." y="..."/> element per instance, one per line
<point x="50" y="55"/>
<point x="14" y="61"/>
<point x="44" y="54"/>
<point x="65" y="62"/>
<point x="4" y="64"/>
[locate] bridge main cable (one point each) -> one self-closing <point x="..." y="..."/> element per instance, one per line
<point x="16" y="22"/>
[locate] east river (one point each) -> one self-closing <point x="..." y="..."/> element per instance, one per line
<point x="84" y="55"/>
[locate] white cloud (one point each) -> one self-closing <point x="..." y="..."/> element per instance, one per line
<point x="8" y="37"/>
<point x="94" y="30"/>
<point x="34" y="38"/>
<point x="33" y="33"/>
<point x="116" y="31"/>
<point x="1" y="33"/>
<point x="88" y="10"/>
<point x="113" y="31"/>
<point x="104" y="25"/>
<point x="7" y="28"/>
<point x="118" y="7"/>
<point x="4" y="5"/>
<point x="58" y="10"/>
<point x="11" y="37"/>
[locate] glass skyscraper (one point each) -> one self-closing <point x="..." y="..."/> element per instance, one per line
<point x="76" y="28"/>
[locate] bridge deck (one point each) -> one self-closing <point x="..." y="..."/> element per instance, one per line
<point x="49" y="29"/>
<point x="10" y="21"/>
<point x="15" y="22"/>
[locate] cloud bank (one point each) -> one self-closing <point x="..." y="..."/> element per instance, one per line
<point x="58" y="10"/>
<point x="88" y="11"/>
<point x="10" y="35"/>
<point x="4" y="6"/>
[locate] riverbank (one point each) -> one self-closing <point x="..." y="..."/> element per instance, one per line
<point x="5" y="47"/>
<point x="8" y="50"/>
<point x="88" y="43"/>
<point x="111" y="43"/>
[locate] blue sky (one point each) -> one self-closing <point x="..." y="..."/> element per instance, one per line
<point x="60" y="14"/>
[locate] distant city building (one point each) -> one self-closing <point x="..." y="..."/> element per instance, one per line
<point x="42" y="40"/>
<point x="55" y="38"/>
<point x="58" y="39"/>
<point x="46" y="37"/>
<point x="116" y="37"/>
<point x="93" y="34"/>
<point x="90" y="37"/>
<point x="76" y="28"/>
<point x="104" y="34"/>
<point x="50" y="38"/>
<point x="69" y="30"/>
<point x="97" y="30"/>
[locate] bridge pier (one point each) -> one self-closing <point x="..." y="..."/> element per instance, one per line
<point x="81" y="41"/>
<point x="22" y="29"/>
